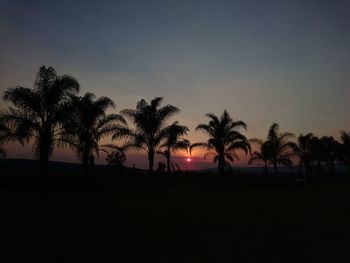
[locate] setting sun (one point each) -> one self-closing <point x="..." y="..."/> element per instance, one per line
<point x="188" y="160"/>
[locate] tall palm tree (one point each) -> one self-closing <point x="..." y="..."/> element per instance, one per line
<point x="224" y="139"/>
<point x="150" y="122"/>
<point x="303" y="149"/>
<point x="173" y="142"/>
<point x="39" y="113"/>
<point x="263" y="153"/>
<point x="89" y="124"/>
<point x="281" y="146"/>
<point x="344" y="150"/>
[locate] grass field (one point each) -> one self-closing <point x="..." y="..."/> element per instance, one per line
<point x="290" y="222"/>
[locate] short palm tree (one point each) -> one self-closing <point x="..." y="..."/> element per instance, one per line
<point x="263" y="154"/>
<point x="150" y="123"/>
<point x="173" y="142"/>
<point x="281" y="146"/>
<point x="39" y="114"/>
<point x="89" y="124"/>
<point x="303" y="149"/>
<point x="115" y="155"/>
<point x="224" y="139"/>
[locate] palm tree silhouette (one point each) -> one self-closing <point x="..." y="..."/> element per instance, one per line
<point x="40" y="113"/>
<point x="344" y="150"/>
<point x="150" y="120"/>
<point x="303" y="149"/>
<point x="318" y="153"/>
<point x="89" y="124"/>
<point x="280" y="146"/>
<point x="263" y="153"/>
<point x="115" y="154"/>
<point x="224" y="139"/>
<point x="3" y="153"/>
<point x="4" y="132"/>
<point x="331" y="149"/>
<point x="173" y="142"/>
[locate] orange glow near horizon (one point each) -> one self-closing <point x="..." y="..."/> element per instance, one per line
<point x="188" y="159"/>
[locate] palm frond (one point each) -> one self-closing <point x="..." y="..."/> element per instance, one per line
<point x="200" y="145"/>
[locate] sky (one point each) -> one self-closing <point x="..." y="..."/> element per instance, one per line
<point x="264" y="61"/>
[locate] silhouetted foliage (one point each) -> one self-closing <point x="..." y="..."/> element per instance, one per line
<point x="40" y="113"/>
<point x="264" y="154"/>
<point x="280" y="146"/>
<point x="116" y="158"/>
<point x="161" y="167"/>
<point x="330" y="153"/>
<point x="318" y="152"/>
<point x="4" y="132"/>
<point x="150" y="126"/>
<point x="173" y="142"/>
<point x="344" y="149"/>
<point x="52" y="115"/>
<point x="303" y="149"/>
<point x="89" y="124"/>
<point x="224" y="139"/>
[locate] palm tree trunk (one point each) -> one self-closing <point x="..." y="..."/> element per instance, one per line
<point x="43" y="163"/>
<point x="150" y="161"/>
<point x="331" y="164"/>
<point x="275" y="166"/>
<point x="307" y="168"/>
<point x="45" y="143"/>
<point x="85" y="166"/>
<point x="168" y="164"/>
<point x="300" y="168"/>
<point x="221" y="164"/>
<point x="266" y="171"/>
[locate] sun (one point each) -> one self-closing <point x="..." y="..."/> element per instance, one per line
<point x="188" y="159"/>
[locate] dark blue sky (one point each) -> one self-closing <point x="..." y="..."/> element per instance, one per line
<point x="263" y="61"/>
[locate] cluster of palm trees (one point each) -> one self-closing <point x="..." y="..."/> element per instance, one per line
<point x="53" y="115"/>
<point x="315" y="155"/>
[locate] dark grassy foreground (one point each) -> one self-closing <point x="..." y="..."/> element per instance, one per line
<point x="236" y="222"/>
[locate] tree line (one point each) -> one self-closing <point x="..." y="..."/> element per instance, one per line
<point x="52" y="114"/>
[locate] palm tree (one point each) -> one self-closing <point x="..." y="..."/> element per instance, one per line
<point x="344" y="150"/>
<point x="263" y="153"/>
<point x="303" y="149"/>
<point x="150" y="122"/>
<point x="318" y="153"/>
<point x="173" y="142"/>
<point x="3" y="135"/>
<point x="40" y="113"/>
<point x="115" y="155"/>
<point x="89" y="124"/>
<point x="224" y="139"/>
<point x="331" y="149"/>
<point x="3" y="153"/>
<point x="281" y="147"/>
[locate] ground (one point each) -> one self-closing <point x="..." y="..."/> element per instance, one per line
<point x="236" y="222"/>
